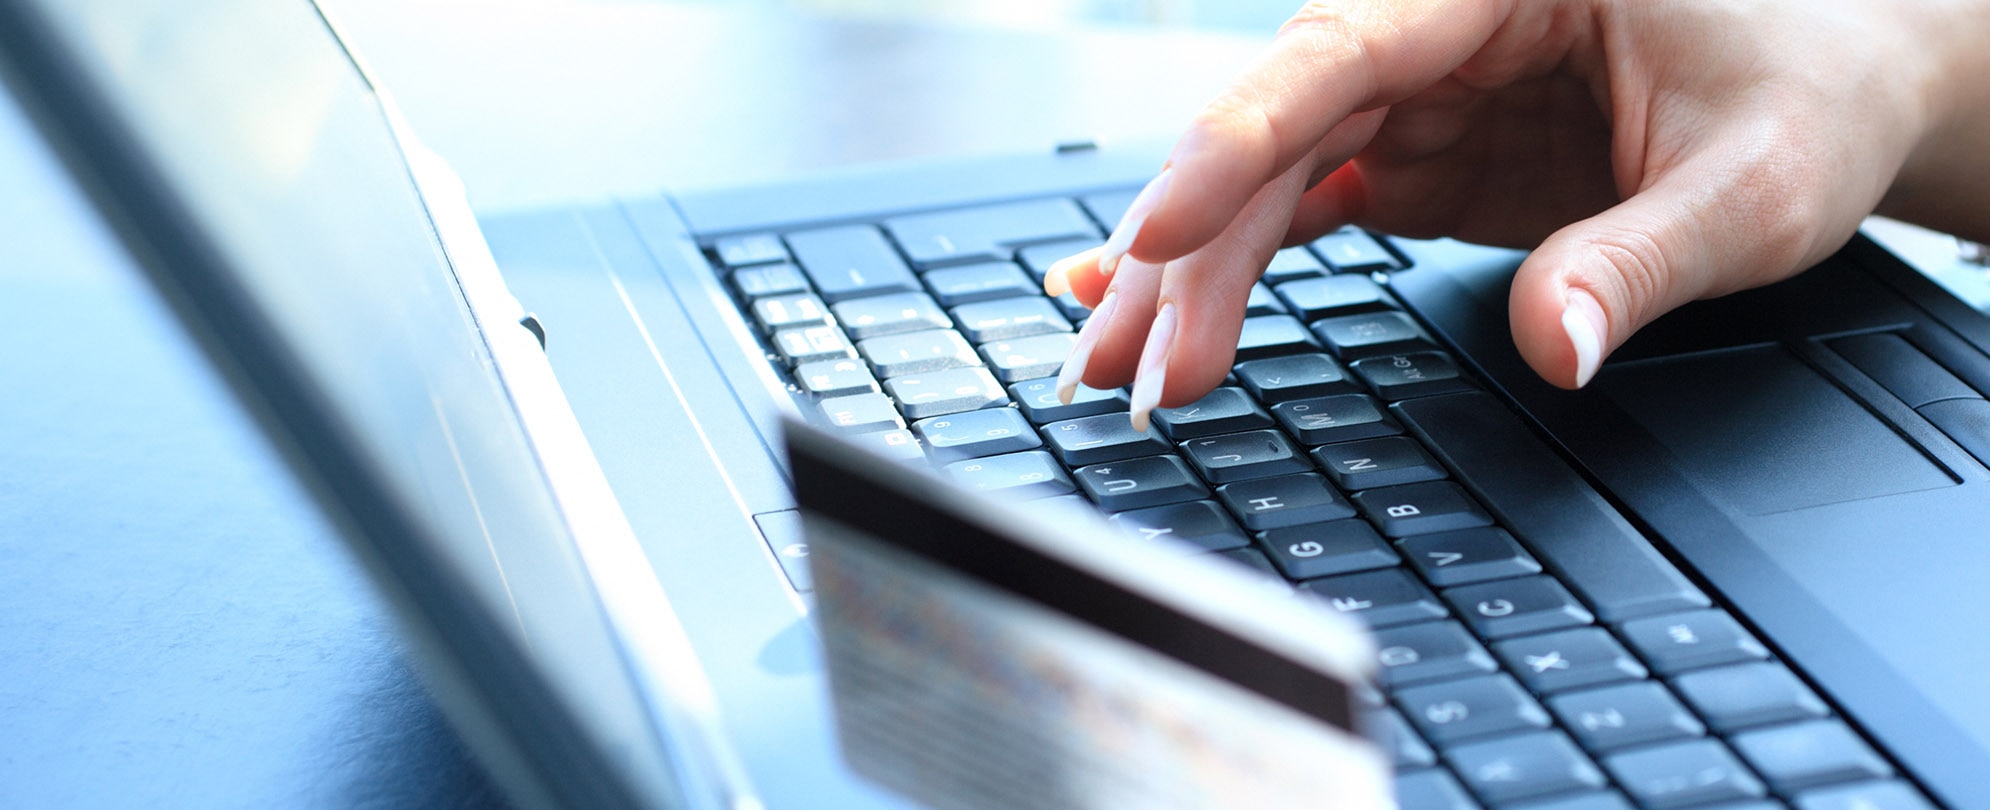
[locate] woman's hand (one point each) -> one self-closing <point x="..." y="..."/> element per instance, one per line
<point x="1649" y="153"/>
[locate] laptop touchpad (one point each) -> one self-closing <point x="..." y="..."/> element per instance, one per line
<point x="1765" y="432"/>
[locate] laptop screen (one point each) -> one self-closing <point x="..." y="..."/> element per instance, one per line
<point x="239" y="151"/>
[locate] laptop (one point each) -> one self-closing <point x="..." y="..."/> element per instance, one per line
<point x="1742" y="568"/>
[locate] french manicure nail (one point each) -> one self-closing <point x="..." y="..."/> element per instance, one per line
<point x="1129" y="224"/>
<point x="1152" y="377"/>
<point x="1057" y="280"/>
<point x="1073" y="371"/>
<point x="1584" y="322"/>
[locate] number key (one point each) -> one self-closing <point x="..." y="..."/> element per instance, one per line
<point x="977" y="433"/>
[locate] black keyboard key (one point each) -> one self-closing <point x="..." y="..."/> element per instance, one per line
<point x="1450" y="711"/>
<point x="1109" y="207"/>
<point x="779" y="312"/>
<point x="1570" y="659"/>
<point x="1285" y="500"/>
<point x="977" y="433"/>
<point x="836" y="378"/>
<point x="1263" y="302"/>
<point x="811" y="344"/>
<point x="1432" y="789"/>
<point x="862" y="413"/>
<point x="1138" y="482"/>
<point x="1352" y="250"/>
<point x="758" y="248"/>
<point x="1624" y="715"/>
<point x="1735" y="697"/>
<point x="939" y="393"/>
<point x="1315" y="298"/>
<point x="1243" y="456"/>
<point x="1406" y="748"/>
<point x="1102" y="438"/>
<point x="1352" y="337"/>
<point x="1038" y="399"/>
<point x="1524" y="767"/>
<point x="1037" y="259"/>
<point x="1682" y="641"/>
<point x="1198" y="523"/>
<point x="1467" y="556"/>
<point x="893" y="314"/>
<point x="851" y="261"/>
<point x="1682" y="774"/>
<point x="987" y="232"/>
<point x="1419" y="374"/>
<point x="1273" y="335"/>
<point x="1380" y="598"/>
<point x="1512" y="607"/>
<point x="1030" y="357"/>
<point x="1029" y="474"/>
<point x="955" y="286"/>
<point x="1805" y="755"/>
<point x="1567" y="525"/>
<point x="1383" y="462"/>
<point x="1432" y="506"/>
<point x="1073" y="311"/>
<point x="773" y="279"/>
<point x="1224" y="410"/>
<point x="1325" y="549"/>
<point x="1009" y="318"/>
<point x="898" y="444"/>
<point x="1298" y="376"/>
<point x="1290" y="264"/>
<point x="1339" y="418"/>
<point x="1885" y="795"/>
<point x="918" y="352"/>
<point x="1429" y="651"/>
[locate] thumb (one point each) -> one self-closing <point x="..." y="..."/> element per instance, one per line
<point x="1693" y="234"/>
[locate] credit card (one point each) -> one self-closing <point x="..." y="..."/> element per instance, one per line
<point x="982" y="656"/>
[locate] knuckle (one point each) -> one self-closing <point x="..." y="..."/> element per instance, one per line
<point x="1243" y="131"/>
<point x="1330" y="34"/>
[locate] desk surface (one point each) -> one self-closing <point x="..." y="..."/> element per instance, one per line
<point x="181" y="629"/>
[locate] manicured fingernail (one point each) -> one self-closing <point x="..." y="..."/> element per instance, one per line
<point x="1129" y="224"/>
<point x="1153" y="374"/>
<point x="1057" y="280"/>
<point x="1073" y="371"/>
<point x="1585" y="323"/>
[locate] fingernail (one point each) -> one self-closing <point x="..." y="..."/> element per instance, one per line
<point x="1153" y="374"/>
<point x="1129" y="224"/>
<point x="1585" y="323"/>
<point x="1057" y="280"/>
<point x="1073" y="371"/>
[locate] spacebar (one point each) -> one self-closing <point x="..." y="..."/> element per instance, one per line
<point x="1553" y="511"/>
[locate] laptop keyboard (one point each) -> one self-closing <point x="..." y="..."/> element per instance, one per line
<point x="1535" y="650"/>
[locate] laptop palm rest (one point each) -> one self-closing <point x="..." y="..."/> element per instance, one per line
<point x="1819" y="507"/>
<point x="1761" y="430"/>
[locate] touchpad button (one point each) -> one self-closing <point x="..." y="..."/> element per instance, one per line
<point x="1765" y="432"/>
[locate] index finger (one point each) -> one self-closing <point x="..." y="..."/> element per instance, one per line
<point x="1333" y="59"/>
